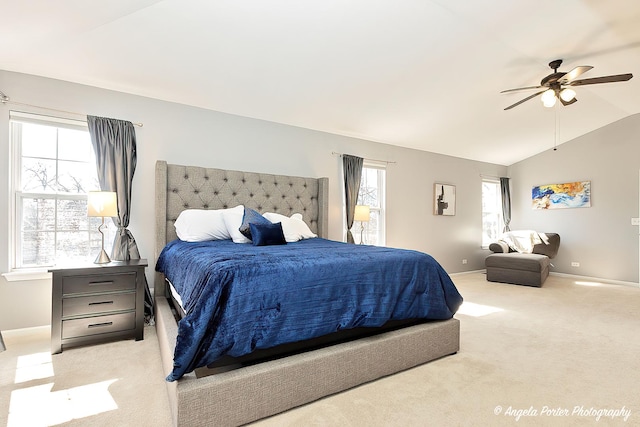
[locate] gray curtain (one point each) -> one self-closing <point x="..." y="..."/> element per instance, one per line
<point x="114" y="144"/>
<point x="506" y="202"/>
<point x="352" y="170"/>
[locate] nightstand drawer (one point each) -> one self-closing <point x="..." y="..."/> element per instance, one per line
<point x="79" y="306"/>
<point x="96" y="284"/>
<point x="98" y="325"/>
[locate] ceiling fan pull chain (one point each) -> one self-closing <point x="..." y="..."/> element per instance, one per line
<point x="557" y="129"/>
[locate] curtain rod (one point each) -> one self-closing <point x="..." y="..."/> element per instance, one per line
<point x="335" y="153"/>
<point x="5" y="100"/>
<point x="491" y="176"/>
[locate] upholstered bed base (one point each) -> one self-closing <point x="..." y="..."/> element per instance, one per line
<point x="247" y="394"/>
<point x="252" y="392"/>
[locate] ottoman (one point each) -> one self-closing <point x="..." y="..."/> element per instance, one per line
<point x="517" y="268"/>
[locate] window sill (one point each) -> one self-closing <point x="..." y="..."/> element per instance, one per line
<point x="30" y="274"/>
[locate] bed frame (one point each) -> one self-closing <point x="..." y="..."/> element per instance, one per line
<point x="260" y="390"/>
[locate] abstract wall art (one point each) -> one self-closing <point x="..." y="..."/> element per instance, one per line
<point x="559" y="196"/>
<point x="444" y="202"/>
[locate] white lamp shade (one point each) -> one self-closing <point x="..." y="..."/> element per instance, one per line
<point x="362" y="213"/>
<point x="548" y="98"/>
<point x="567" y="94"/>
<point x="102" y="203"/>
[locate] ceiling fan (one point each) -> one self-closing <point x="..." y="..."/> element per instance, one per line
<point x="556" y="85"/>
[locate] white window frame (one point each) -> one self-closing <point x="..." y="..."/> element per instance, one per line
<point x="380" y="210"/>
<point x="498" y="211"/>
<point x="17" y="195"/>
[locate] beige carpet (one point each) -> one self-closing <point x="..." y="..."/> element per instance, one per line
<point x="114" y="384"/>
<point x="565" y="354"/>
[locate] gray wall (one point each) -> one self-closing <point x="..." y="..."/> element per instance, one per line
<point x="187" y="135"/>
<point x="601" y="238"/>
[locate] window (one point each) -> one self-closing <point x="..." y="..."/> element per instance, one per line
<point x="54" y="168"/>
<point x="372" y="189"/>
<point x="492" y="223"/>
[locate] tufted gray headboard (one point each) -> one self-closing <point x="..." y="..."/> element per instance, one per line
<point x="193" y="187"/>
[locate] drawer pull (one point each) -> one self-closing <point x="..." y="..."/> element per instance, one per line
<point x="101" y="302"/>
<point x="109" y="282"/>
<point x="97" y="325"/>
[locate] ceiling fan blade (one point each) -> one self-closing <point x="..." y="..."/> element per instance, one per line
<point x="524" y="100"/>
<point x="521" y="88"/>
<point x="574" y="73"/>
<point x="565" y="103"/>
<point x="605" y="79"/>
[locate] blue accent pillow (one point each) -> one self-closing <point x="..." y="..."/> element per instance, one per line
<point x="267" y="234"/>
<point x="251" y="217"/>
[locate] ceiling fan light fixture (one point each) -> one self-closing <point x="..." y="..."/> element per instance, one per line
<point x="556" y="81"/>
<point x="567" y="94"/>
<point x="548" y="98"/>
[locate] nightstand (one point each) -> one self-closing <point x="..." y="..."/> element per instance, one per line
<point x="95" y="303"/>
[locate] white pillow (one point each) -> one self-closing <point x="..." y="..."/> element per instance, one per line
<point x="198" y="225"/>
<point x="290" y="234"/>
<point x="302" y="227"/>
<point x="233" y="221"/>
<point x="294" y="228"/>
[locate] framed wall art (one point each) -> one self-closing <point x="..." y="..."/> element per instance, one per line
<point x="559" y="196"/>
<point x="444" y="200"/>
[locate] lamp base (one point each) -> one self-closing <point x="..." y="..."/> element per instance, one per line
<point x="102" y="258"/>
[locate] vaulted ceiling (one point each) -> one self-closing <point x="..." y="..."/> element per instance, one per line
<point x="425" y="74"/>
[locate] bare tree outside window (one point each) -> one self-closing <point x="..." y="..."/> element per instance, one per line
<point x="371" y="193"/>
<point x="57" y="169"/>
<point x="492" y="222"/>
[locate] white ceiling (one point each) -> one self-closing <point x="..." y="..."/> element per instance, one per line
<point x="424" y="74"/>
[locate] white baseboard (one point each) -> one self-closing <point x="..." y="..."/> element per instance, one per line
<point x="573" y="276"/>
<point x="27" y="331"/>
<point x="467" y="272"/>
<point x="596" y="279"/>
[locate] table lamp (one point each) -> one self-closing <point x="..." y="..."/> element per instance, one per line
<point x="101" y="204"/>
<point x="363" y="215"/>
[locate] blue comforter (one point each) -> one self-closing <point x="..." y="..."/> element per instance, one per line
<point x="240" y="297"/>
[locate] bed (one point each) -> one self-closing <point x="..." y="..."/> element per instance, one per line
<point x="270" y="383"/>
